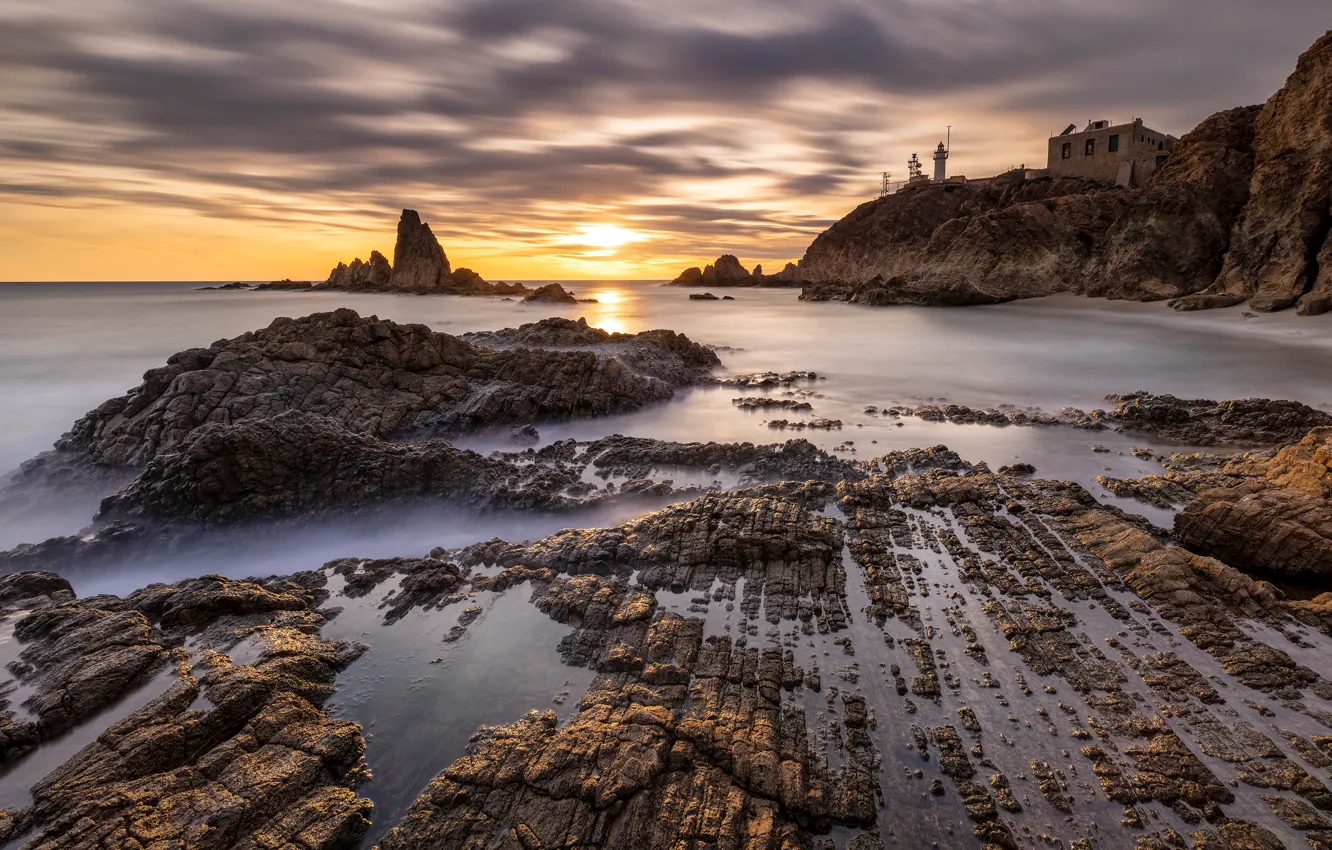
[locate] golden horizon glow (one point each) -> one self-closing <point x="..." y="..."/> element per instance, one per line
<point x="608" y="236"/>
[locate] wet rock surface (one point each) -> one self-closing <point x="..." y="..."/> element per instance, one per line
<point x="1195" y="422"/>
<point x="885" y="650"/>
<point x="229" y="754"/>
<point x="382" y="379"/>
<point x="1203" y="422"/>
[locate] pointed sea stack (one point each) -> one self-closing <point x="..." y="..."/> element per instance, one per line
<point x="419" y="263"/>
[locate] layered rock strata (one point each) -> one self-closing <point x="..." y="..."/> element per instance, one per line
<point x="229" y="755"/>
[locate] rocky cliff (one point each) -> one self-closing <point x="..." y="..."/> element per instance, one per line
<point x="1242" y="210"/>
<point x="1281" y="251"/>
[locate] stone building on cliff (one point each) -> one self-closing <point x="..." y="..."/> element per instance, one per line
<point x="1125" y="154"/>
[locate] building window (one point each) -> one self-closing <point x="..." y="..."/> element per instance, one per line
<point x="1068" y="151"/>
<point x="1090" y="150"/>
<point x="1113" y="144"/>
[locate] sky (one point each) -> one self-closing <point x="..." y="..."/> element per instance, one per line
<point x="548" y="139"/>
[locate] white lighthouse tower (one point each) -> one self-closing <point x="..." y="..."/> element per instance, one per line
<point x="940" y="163"/>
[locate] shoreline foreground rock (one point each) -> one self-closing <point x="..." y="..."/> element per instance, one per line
<point x="768" y="665"/>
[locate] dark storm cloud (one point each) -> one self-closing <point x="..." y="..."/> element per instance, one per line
<point x="359" y="104"/>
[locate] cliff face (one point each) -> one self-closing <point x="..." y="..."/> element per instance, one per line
<point x="964" y="244"/>
<point x="1281" y="253"/>
<point x="1172" y="238"/>
<point x="1242" y="210"/>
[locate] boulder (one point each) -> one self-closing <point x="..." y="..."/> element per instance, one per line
<point x="1274" y="521"/>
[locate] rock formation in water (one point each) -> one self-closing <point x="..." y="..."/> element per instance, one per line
<point x="419" y="267"/>
<point x="551" y="293"/>
<point x="1190" y="422"/>
<point x="1281" y="251"/>
<point x="727" y="271"/>
<point x="298" y="464"/>
<point x="285" y="285"/>
<point x="361" y="276"/>
<point x="419" y="263"/>
<point x="228" y="755"/>
<point x="382" y="379"/>
<point x="1241" y="210"/>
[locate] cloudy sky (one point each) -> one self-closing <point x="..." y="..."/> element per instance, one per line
<point x="252" y="139"/>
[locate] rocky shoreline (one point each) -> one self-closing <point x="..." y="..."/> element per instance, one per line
<point x="800" y="650"/>
<point x="1239" y="213"/>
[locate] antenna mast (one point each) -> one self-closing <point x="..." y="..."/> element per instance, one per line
<point x="884" y="192"/>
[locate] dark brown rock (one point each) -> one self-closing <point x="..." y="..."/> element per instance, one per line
<point x="384" y="379"/>
<point x="372" y="276"/>
<point x="1281" y="254"/>
<point x="551" y="293"/>
<point x="419" y="263"/>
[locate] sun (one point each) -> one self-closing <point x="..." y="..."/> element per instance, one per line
<point x="605" y="236"/>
